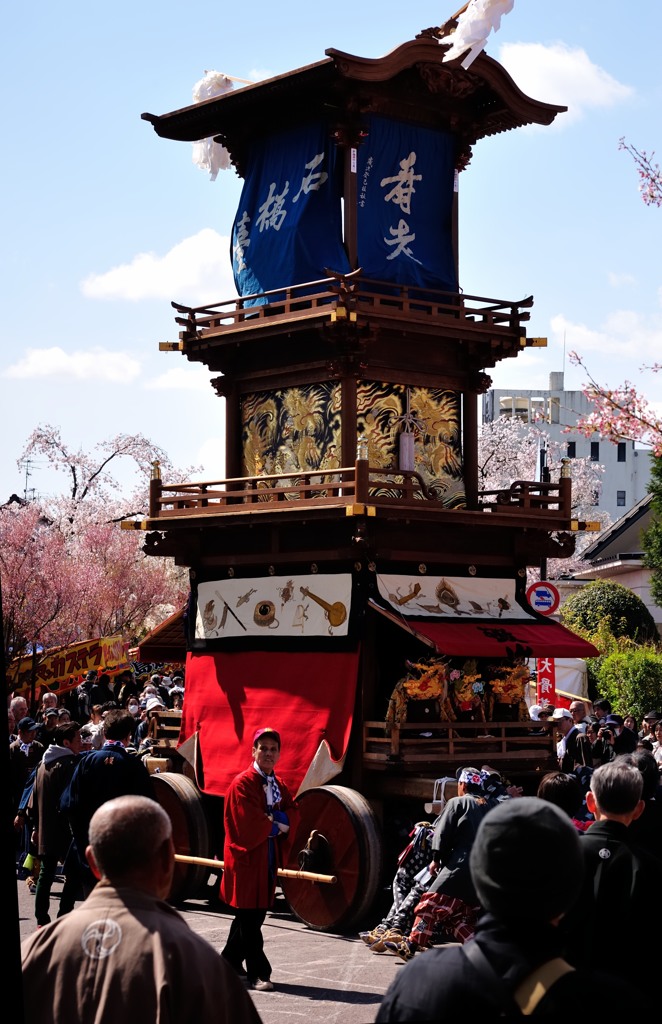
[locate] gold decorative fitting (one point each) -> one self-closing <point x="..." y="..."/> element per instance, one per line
<point x="156" y="470"/>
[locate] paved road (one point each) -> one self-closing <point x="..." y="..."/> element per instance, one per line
<point x="331" y="977"/>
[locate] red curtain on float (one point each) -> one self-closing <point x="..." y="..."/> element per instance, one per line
<point x="306" y="697"/>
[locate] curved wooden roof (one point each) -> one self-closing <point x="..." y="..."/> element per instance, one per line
<point x="412" y="83"/>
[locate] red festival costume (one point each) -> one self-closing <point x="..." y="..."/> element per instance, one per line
<point x="246" y="882"/>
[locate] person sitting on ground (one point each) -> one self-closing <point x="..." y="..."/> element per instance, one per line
<point x="450" y="899"/>
<point x="527" y="869"/>
<point x="125" y="954"/>
<point x="408" y="889"/>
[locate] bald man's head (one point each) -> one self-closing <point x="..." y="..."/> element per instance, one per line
<point x="127" y="835"/>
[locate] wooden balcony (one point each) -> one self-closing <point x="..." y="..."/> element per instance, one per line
<point x="309" y="320"/>
<point x="470" y="313"/>
<point x="358" y="489"/>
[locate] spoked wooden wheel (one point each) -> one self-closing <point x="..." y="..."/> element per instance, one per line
<point x="180" y="799"/>
<point x="349" y="847"/>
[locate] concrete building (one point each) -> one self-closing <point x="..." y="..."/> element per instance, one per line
<point x="627" y="468"/>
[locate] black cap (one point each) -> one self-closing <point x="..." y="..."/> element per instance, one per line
<point x="27" y="724"/>
<point x="615" y="721"/>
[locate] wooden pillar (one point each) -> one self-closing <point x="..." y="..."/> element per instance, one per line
<point x="233" y="453"/>
<point x="349" y="428"/>
<point x="470" y="447"/>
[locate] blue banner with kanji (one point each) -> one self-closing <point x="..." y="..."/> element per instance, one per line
<point x="288" y="226"/>
<point x="405" y="202"/>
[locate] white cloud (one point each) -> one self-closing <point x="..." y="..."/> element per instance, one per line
<point x="625" y="335"/>
<point x="181" y="378"/>
<point x="95" y="364"/>
<point x="197" y="271"/>
<point x="621" y="280"/>
<point x="563" y="75"/>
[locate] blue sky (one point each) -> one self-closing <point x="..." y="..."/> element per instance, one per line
<point x="104" y="223"/>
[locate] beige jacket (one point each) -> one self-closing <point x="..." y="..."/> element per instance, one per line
<point x="123" y="956"/>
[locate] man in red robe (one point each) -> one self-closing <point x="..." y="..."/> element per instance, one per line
<point x="259" y="815"/>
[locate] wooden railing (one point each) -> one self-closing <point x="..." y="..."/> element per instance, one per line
<point x="353" y="294"/>
<point x="526" y="495"/>
<point x="360" y="484"/>
<point x="407" y="748"/>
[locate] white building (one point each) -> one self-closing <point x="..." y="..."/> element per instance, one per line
<point x="627" y="469"/>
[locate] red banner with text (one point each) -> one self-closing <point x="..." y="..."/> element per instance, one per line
<point x="546" y="687"/>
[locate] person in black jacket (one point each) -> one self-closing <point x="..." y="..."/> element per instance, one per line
<point x="100" y="776"/>
<point x="604" y="928"/>
<point x="527" y="869"/>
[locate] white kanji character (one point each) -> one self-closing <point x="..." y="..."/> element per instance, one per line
<point x="314" y="179"/>
<point x="403" y="184"/>
<point x="242" y="242"/>
<point x="272" y="212"/>
<point x="401" y="238"/>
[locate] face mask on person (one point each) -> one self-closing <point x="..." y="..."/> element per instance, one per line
<point x="134" y="709"/>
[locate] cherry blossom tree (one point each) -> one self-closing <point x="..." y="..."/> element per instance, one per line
<point x="620" y="413"/>
<point x="650" y="176"/>
<point x="68" y="571"/>
<point x="90" y="481"/>
<point x="36" y="590"/>
<point x="509" y="450"/>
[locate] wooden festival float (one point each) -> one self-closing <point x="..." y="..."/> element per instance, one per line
<point x="350" y="584"/>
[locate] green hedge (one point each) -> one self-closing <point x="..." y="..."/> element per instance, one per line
<point x="625" y="613"/>
<point x="632" y="681"/>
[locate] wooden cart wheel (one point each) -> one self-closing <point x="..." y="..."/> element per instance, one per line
<point x="351" y="850"/>
<point x="181" y="800"/>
